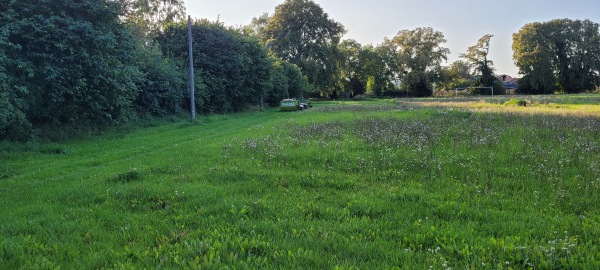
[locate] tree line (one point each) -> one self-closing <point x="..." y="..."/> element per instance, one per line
<point x="559" y="56"/>
<point x="97" y="63"/>
<point x="107" y="62"/>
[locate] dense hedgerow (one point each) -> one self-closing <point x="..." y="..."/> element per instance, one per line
<point x="234" y="70"/>
<point x="79" y="65"/>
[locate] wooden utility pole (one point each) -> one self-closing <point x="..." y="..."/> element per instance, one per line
<point x="192" y="101"/>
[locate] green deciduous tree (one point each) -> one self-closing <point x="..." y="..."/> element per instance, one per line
<point x="147" y="17"/>
<point x="257" y="27"/>
<point x="477" y="57"/>
<point x="365" y="69"/>
<point x="419" y="57"/>
<point x="288" y="82"/>
<point x="458" y="75"/>
<point x="70" y="61"/>
<point x="297" y="82"/>
<point x="13" y="120"/>
<point x="351" y="72"/>
<point x="378" y="65"/>
<point x="533" y="57"/>
<point x="233" y="70"/>
<point x="303" y="34"/>
<point x="161" y="90"/>
<point x="559" y="55"/>
<point x="77" y="63"/>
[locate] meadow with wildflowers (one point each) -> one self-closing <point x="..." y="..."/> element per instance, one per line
<point x="444" y="183"/>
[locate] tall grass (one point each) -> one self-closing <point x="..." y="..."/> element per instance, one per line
<point x="384" y="185"/>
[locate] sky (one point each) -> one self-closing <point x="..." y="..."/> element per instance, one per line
<point x="462" y="22"/>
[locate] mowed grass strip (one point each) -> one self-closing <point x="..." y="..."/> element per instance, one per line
<point x="346" y="185"/>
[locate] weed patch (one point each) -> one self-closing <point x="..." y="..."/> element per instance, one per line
<point x="54" y="151"/>
<point x="127" y="177"/>
<point x="516" y="102"/>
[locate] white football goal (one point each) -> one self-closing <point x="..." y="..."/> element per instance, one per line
<point x="467" y="88"/>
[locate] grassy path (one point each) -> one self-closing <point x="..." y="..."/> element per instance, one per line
<point x="41" y="185"/>
<point x="365" y="185"/>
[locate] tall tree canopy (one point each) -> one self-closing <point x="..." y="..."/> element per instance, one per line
<point x="477" y="57"/>
<point x="233" y="70"/>
<point x="257" y="26"/>
<point x="302" y="33"/>
<point x="77" y="63"/>
<point x="81" y="63"/>
<point x="13" y="119"/>
<point x="560" y="55"/>
<point x="70" y="60"/>
<point x="365" y="69"/>
<point x="458" y="75"/>
<point x="150" y="16"/>
<point x="419" y="56"/>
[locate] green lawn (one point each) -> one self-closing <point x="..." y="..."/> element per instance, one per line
<point x="381" y="184"/>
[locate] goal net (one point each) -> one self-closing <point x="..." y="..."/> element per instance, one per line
<point x="484" y="90"/>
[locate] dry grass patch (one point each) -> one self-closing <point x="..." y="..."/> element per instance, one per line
<point x="569" y="105"/>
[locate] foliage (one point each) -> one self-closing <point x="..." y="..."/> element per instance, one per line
<point x="525" y="86"/>
<point x="257" y="27"/>
<point x="77" y="64"/>
<point x="303" y="34"/>
<point x="365" y="69"/>
<point x="516" y="102"/>
<point x="162" y="89"/>
<point x="457" y="75"/>
<point x="280" y="84"/>
<point x="149" y="17"/>
<point x="288" y="82"/>
<point x="419" y="57"/>
<point x="14" y="124"/>
<point x="350" y="67"/>
<point x="234" y="70"/>
<point x="297" y="83"/>
<point x="96" y="63"/>
<point x="74" y="61"/>
<point x="13" y="121"/>
<point x="477" y="57"/>
<point x="558" y="56"/>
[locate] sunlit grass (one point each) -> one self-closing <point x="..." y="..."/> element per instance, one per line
<point x="568" y="105"/>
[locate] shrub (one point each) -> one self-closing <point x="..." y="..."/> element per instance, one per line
<point x="161" y="90"/>
<point x="14" y="124"/>
<point x="516" y="102"/>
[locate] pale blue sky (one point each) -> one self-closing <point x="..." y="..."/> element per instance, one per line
<point x="463" y="22"/>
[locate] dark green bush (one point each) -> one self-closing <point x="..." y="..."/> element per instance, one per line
<point x="162" y="89"/>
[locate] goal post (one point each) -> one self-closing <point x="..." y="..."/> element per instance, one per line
<point x="467" y="88"/>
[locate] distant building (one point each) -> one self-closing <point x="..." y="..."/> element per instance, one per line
<point x="508" y="81"/>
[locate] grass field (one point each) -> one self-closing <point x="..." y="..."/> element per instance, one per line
<point x="410" y="184"/>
